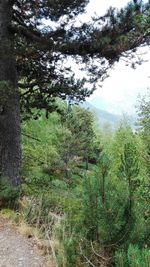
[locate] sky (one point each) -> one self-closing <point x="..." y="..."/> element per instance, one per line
<point x="120" y="91"/>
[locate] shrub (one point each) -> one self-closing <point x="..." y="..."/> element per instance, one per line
<point x="104" y="219"/>
<point x="134" y="257"/>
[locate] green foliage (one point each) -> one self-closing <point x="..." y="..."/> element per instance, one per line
<point x="122" y="135"/>
<point x="79" y="123"/>
<point x="122" y="31"/>
<point x="56" y="151"/>
<point x="129" y="169"/>
<point x="104" y="218"/>
<point x="8" y="194"/>
<point x="134" y="257"/>
<point x="8" y="214"/>
<point x="144" y="122"/>
<point x="120" y="259"/>
<point x="129" y="162"/>
<point x="96" y="208"/>
<point x="85" y="209"/>
<point x="67" y="253"/>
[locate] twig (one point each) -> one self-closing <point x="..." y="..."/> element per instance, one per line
<point x="29" y="136"/>
<point x="88" y="261"/>
<point x="117" y="242"/>
<point x="98" y="254"/>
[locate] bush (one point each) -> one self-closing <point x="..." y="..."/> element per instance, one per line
<point x="104" y="219"/>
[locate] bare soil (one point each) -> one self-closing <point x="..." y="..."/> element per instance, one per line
<point x="17" y="250"/>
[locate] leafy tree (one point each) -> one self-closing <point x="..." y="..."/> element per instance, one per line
<point x="32" y="54"/>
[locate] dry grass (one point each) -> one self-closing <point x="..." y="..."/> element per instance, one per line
<point x="43" y="247"/>
<point x="27" y="230"/>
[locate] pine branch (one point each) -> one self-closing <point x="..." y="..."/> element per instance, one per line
<point x="27" y="85"/>
<point x="30" y="35"/>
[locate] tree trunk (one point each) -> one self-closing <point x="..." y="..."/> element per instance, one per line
<point x="10" y="152"/>
<point x="130" y="196"/>
<point x="103" y="171"/>
<point x="87" y="163"/>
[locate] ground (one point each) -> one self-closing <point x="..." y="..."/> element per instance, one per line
<point x="17" y="250"/>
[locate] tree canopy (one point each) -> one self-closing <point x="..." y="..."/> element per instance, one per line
<point x="40" y="49"/>
<point x="32" y="55"/>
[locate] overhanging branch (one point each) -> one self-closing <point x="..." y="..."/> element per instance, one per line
<point x="22" y="30"/>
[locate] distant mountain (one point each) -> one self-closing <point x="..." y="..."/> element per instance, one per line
<point x="104" y="117"/>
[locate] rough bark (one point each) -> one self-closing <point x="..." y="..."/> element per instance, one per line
<point x="9" y="101"/>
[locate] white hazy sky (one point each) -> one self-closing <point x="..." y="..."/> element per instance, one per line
<point x="120" y="91"/>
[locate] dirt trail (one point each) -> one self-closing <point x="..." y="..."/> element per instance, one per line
<point x="17" y="250"/>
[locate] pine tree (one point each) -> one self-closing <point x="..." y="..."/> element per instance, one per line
<point x="31" y="54"/>
<point x="144" y="123"/>
<point x="129" y="169"/>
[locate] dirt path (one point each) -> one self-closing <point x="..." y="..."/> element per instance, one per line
<point x="17" y="250"/>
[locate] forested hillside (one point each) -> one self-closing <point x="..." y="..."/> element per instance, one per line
<point x="87" y="189"/>
<point x="105" y="118"/>
<point x="97" y="184"/>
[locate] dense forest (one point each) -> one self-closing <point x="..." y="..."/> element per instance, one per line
<point x="87" y="189"/>
<point x="84" y="188"/>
